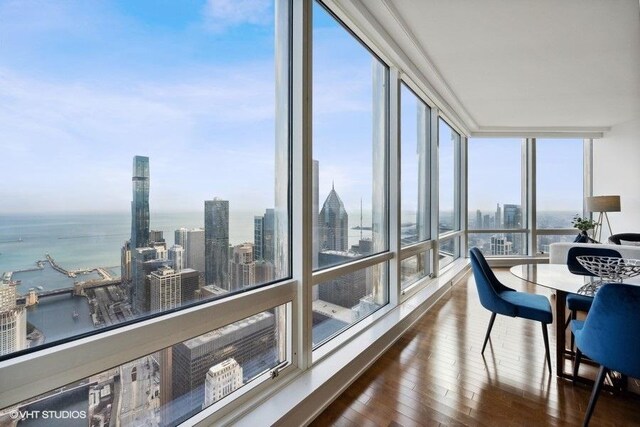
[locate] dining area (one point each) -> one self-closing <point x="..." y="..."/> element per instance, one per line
<point x="437" y="373"/>
<point x="593" y="305"/>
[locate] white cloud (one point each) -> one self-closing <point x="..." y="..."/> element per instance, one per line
<point x="223" y="14"/>
<point x="69" y="135"/>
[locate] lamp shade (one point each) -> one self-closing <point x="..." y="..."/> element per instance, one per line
<point x="603" y="204"/>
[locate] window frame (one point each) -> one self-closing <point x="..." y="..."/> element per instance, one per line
<point x="529" y="197"/>
<point x="29" y="375"/>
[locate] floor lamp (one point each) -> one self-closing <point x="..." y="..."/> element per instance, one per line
<point x="602" y="204"/>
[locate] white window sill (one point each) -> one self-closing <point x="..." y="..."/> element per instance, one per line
<point x="304" y="394"/>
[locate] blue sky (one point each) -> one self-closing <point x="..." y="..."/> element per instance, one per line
<point x="495" y="174"/>
<point x="86" y="85"/>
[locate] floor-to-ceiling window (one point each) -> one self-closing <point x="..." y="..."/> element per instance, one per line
<point x="449" y="192"/>
<point x="415" y="167"/>
<point x="497" y="215"/>
<point x="145" y="170"/>
<point x="559" y="189"/>
<point x="153" y="205"/>
<point x="524" y="193"/>
<point x="350" y="167"/>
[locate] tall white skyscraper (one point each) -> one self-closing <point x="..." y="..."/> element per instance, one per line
<point x="222" y="379"/>
<point x="194" y="249"/>
<point x="500" y="245"/>
<point x="242" y="267"/>
<point x="165" y="289"/>
<point x="13" y="321"/>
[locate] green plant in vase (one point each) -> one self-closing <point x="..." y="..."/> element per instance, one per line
<point x="584" y="225"/>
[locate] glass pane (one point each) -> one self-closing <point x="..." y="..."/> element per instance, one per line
<point x="449" y="251"/>
<point x="415" y="135"/>
<point x="415" y="268"/>
<point x="448" y="151"/>
<point x="169" y="386"/>
<point x="160" y="145"/>
<point x="545" y="240"/>
<point x="342" y="302"/>
<point x="349" y="145"/>
<point x="495" y="184"/>
<point x="559" y="181"/>
<point x="499" y="244"/>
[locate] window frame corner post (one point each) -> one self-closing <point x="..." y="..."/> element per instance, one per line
<point x="395" y="194"/>
<point x="302" y="174"/>
<point x="530" y="194"/>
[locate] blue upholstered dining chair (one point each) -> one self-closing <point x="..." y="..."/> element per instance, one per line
<point x="499" y="299"/>
<point x="609" y="335"/>
<point x="577" y="302"/>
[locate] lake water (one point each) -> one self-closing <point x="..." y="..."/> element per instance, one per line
<point x="87" y="241"/>
<point x="53" y="316"/>
<point x="49" y="279"/>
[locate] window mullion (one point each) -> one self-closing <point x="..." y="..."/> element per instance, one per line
<point x="302" y="185"/>
<point x="394" y="186"/>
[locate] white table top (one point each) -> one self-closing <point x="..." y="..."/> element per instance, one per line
<point x="555" y="276"/>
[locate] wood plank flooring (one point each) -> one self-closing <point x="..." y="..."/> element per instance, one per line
<point x="434" y="375"/>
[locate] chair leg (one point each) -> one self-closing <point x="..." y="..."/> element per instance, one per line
<point x="574" y="316"/>
<point x="546" y="344"/>
<point x="486" y="337"/>
<point x="594" y="395"/>
<point x="576" y="364"/>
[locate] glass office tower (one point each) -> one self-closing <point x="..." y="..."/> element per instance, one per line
<point x="140" y="203"/>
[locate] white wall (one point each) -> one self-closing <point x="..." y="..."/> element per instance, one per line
<point x="616" y="170"/>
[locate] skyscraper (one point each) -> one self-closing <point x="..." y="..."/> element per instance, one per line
<point x="125" y="262"/>
<point x="143" y="262"/>
<point x="346" y="290"/>
<point x="512" y="217"/>
<point x="180" y="237"/>
<point x="478" y="220"/>
<point x="176" y="257"/>
<point x="189" y="285"/>
<point x="498" y="218"/>
<point x="500" y="245"/>
<point x="216" y="242"/>
<point x="251" y="342"/>
<point x="242" y="267"/>
<point x="334" y="224"/>
<point x="156" y="236"/>
<point x="257" y="238"/>
<point x="13" y="321"/>
<point x="194" y="249"/>
<point x="487" y="222"/>
<point x="165" y="289"/>
<point x="263" y="236"/>
<point x="140" y="203"/>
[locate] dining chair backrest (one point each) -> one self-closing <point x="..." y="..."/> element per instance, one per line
<point x="489" y="287"/>
<point x="576" y="268"/>
<point x="611" y="332"/>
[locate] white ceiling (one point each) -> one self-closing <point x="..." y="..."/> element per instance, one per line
<point x="524" y="64"/>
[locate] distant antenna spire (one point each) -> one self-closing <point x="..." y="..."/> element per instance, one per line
<point x="333" y="187"/>
<point x="360" y="218"/>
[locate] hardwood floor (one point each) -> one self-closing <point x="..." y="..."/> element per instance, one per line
<point x="435" y="375"/>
